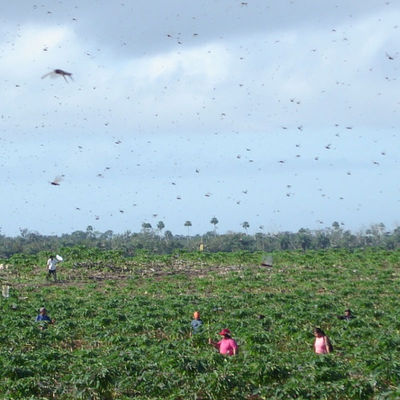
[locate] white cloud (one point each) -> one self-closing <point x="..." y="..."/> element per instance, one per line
<point x="200" y="104"/>
<point x="200" y="65"/>
<point x="26" y="49"/>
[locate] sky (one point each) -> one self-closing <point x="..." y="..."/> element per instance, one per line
<point x="282" y="114"/>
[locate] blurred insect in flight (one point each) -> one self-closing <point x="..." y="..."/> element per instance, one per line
<point x="59" y="72"/>
<point x="57" y="181"/>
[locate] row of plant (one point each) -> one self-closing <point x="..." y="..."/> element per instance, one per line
<point x="83" y="255"/>
<point x="130" y="338"/>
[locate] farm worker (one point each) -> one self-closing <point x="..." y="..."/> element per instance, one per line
<point x="197" y="323"/>
<point x="322" y="344"/>
<point x="227" y="345"/>
<point x="347" y="315"/>
<point x="51" y="266"/>
<point x="44" y="317"/>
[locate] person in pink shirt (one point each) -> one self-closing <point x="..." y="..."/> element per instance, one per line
<point x="227" y="345"/>
<point x="322" y="344"/>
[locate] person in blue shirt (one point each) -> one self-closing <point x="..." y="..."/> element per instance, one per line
<point x="197" y="323"/>
<point x="44" y="317"/>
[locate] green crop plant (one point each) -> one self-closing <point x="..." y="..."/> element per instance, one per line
<point x="123" y="326"/>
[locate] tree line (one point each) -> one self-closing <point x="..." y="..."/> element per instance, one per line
<point x="160" y="241"/>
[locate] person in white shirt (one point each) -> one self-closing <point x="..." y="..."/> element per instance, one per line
<point x="51" y="266"/>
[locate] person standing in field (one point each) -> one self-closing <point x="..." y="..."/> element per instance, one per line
<point x="322" y="344"/>
<point x="227" y="345"/>
<point x="196" y="324"/>
<point x="51" y="266"/>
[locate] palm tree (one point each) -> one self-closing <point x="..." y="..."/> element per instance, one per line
<point x="146" y="227"/>
<point x="160" y="227"/>
<point x="188" y="224"/>
<point x="214" y="221"/>
<point x="335" y="225"/>
<point x="246" y="226"/>
<point x="89" y="232"/>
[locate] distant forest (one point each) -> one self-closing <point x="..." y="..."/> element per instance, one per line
<point x="159" y="241"/>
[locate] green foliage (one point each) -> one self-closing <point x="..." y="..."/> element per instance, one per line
<point x="123" y="325"/>
<point x="153" y="241"/>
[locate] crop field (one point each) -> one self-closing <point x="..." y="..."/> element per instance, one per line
<point x="122" y="327"/>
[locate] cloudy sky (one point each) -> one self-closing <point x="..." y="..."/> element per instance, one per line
<point x="284" y="114"/>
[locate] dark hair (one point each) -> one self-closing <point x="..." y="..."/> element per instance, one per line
<point x="227" y="336"/>
<point x="319" y="331"/>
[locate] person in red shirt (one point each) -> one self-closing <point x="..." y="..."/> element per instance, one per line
<point x="227" y="345"/>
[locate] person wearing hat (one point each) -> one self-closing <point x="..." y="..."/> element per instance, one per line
<point x="197" y="323"/>
<point x="227" y="345"/>
<point x="44" y="317"/>
<point x="347" y="315"/>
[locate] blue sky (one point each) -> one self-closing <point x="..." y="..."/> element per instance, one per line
<point x="281" y="114"/>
